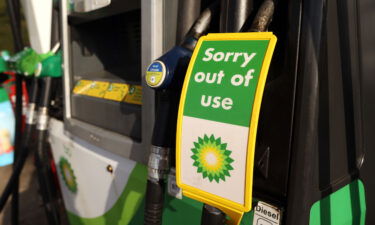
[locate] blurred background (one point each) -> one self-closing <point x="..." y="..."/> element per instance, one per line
<point x="5" y="31"/>
<point x="31" y="213"/>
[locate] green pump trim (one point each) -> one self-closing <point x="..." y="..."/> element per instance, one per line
<point x="126" y="206"/>
<point x="347" y="206"/>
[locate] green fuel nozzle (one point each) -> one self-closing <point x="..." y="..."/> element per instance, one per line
<point x="50" y="66"/>
<point x="25" y="61"/>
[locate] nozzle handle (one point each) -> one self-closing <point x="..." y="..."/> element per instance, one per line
<point x="165" y="120"/>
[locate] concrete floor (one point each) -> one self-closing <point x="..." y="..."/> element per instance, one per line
<point x="31" y="210"/>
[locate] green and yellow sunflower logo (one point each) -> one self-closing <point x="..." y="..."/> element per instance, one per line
<point x="68" y="174"/>
<point x="212" y="158"/>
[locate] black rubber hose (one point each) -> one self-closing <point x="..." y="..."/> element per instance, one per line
<point x="212" y="216"/>
<point x="263" y="17"/>
<point x="202" y="24"/>
<point x="234" y="14"/>
<point x="33" y="97"/>
<point x="166" y="114"/>
<point x="14" y="15"/>
<point x="188" y="12"/>
<point x="41" y="157"/>
<point x="12" y="182"/>
<point x="166" y="117"/>
<point x="154" y="201"/>
<point x="24" y="153"/>
<point x="45" y="97"/>
<point x="163" y="133"/>
<point x="43" y="171"/>
<point x="30" y="125"/>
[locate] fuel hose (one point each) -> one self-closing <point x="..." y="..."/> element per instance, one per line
<point x="30" y="124"/>
<point x="41" y="154"/>
<point x="167" y="94"/>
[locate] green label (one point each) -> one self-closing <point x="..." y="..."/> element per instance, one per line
<point x="223" y="81"/>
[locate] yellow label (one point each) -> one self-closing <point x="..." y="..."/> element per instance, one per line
<point x="154" y="78"/>
<point x="97" y="89"/>
<point x="82" y="87"/>
<point x="134" y="95"/>
<point x="155" y="74"/>
<point x="116" y="92"/>
<point x="119" y="92"/>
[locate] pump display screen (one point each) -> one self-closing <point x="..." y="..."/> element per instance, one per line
<point x="218" y="117"/>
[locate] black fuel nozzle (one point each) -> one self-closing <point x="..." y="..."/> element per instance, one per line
<point x="161" y="74"/>
<point x="168" y="71"/>
<point x="166" y="75"/>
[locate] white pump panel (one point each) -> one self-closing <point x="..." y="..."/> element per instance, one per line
<point x="38" y="15"/>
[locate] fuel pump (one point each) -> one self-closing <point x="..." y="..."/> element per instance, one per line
<point x="166" y="75"/>
<point x="25" y="63"/>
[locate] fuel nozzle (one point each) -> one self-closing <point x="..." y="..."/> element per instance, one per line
<point x="50" y="66"/>
<point x="162" y="72"/>
<point x="166" y="75"/>
<point x="25" y="61"/>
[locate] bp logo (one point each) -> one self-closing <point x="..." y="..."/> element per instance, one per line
<point x="212" y="158"/>
<point x="68" y="174"/>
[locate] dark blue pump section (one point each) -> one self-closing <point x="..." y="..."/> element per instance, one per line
<point x="172" y="60"/>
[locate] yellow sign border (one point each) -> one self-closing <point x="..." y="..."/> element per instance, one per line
<point x="195" y="193"/>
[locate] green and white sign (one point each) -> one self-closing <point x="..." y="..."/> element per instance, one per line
<point x="218" y="117"/>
